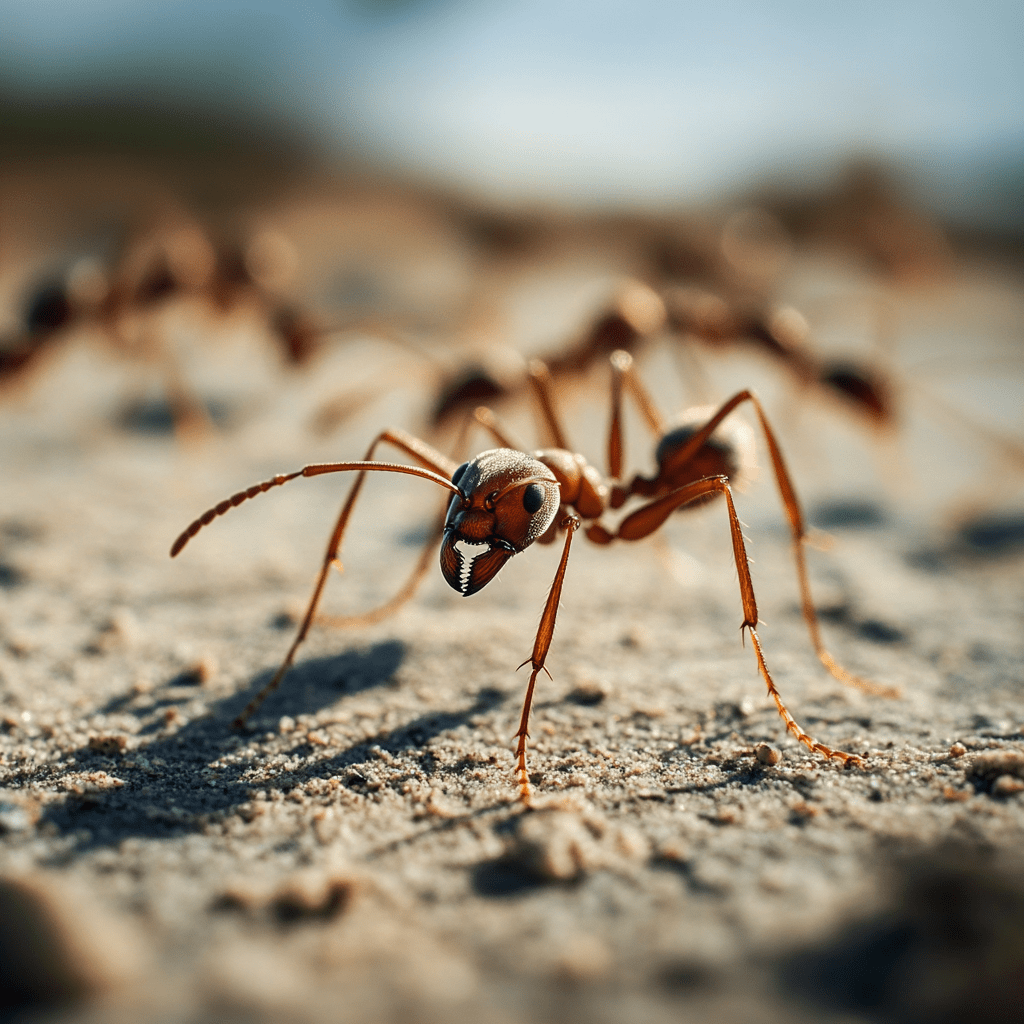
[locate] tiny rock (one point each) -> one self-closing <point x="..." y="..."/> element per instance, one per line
<point x="108" y="744"/>
<point x="200" y="672"/>
<point x="120" y="631"/>
<point x="555" y="845"/>
<point x="1007" y="785"/>
<point x="991" y="765"/>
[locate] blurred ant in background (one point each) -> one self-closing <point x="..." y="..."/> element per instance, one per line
<point x="123" y="301"/>
<point x="687" y="317"/>
<point x="710" y="286"/>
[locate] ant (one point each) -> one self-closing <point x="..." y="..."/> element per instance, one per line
<point x="504" y="500"/>
<point x="116" y="300"/>
<point x="638" y="313"/>
<point x="782" y="334"/>
<point x="169" y="265"/>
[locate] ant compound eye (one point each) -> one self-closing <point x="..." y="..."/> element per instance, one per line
<point x="533" y="498"/>
<point x="459" y="473"/>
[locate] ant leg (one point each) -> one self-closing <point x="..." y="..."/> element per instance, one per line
<point x="646" y="520"/>
<point x="690" y="367"/>
<point x="191" y="420"/>
<point x="189" y="417"/>
<point x="545" y="632"/>
<point x="438" y="468"/>
<point x="406" y="594"/>
<point x="540" y="379"/>
<point x="798" y="531"/>
<point x="487" y="419"/>
<point x="483" y="416"/>
<point x="335" y="411"/>
<point x="624" y="374"/>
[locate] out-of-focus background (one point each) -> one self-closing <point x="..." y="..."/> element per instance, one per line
<point x="456" y="177"/>
<point x="644" y="104"/>
<point x="236" y="238"/>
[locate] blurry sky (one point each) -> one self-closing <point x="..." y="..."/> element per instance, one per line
<point x="638" y="102"/>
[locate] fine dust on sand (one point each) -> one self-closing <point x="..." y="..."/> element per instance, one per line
<point x="358" y="853"/>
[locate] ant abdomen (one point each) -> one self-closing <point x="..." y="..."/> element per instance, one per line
<point x="728" y="452"/>
<point x="868" y="392"/>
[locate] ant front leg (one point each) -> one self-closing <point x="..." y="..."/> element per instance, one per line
<point x="545" y="632"/>
<point x="482" y="416"/>
<point x="437" y="468"/>
<point x="427" y="457"/>
<point x="647" y="519"/>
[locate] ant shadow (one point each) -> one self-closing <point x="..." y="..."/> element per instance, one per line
<point x="166" y="791"/>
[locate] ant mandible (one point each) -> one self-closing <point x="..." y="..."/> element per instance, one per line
<point x="504" y="499"/>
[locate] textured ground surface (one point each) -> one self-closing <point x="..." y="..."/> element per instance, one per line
<point x="359" y="854"/>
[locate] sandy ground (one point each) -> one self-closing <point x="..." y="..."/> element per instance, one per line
<point x="358" y="854"/>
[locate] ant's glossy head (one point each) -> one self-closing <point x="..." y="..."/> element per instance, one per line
<point x="507" y="501"/>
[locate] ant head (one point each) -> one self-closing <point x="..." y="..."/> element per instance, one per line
<point x="507" y="501"/>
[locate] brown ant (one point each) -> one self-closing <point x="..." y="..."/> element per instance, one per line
<point x="153" y="270"/>
<point x="115" y="301"/>
<point x="698" y="285"/>
<point x="505" y="499"/>
<point x="688" y="316"/>
<point x="782" y="334"/>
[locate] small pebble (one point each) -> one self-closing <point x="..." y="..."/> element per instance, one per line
<point x="1007" y="785"/>
<point x="675" y="849"/>
<point x="588" y="693"/>
<point x="803" y="811"/>
<point x="636" y="637"/>
<point x="767" y="755"/>
<point x="957" y="750"/>
<point x="200" y="673"/>
<point x="119" y="632"/>
<point x="108" y="744"/>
